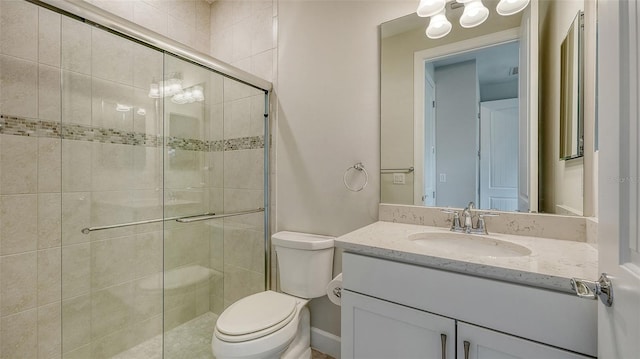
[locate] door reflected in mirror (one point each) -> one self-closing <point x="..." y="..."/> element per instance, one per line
<point x="471" y="129"/>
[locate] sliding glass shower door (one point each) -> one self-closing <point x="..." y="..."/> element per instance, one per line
<point x="213" y="165"/>
<point x="156" y="153"/>
<point x="112" y="174"/>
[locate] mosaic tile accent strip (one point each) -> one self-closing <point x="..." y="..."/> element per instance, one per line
<point x="108" y="135"/>
<point x="10" y="125"/>
<point x="187" y="144"/>
<point x="16" y="126"/>
<point x="244" y="143"/>
<point x="216" y="146"/>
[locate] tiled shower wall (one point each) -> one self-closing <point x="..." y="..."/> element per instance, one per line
<point x="185" y="21"/>
<point x="244" y="33"/>
<point x="113" y="178"/>
<point x="30" y="185"/>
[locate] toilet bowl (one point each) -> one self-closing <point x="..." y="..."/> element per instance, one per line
<point x="277" y="325"/>
<point x="263" y="325"/>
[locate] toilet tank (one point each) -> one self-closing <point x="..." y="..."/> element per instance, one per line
<point x="305" y="263"/>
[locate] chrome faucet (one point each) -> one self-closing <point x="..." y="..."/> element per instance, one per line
<point x="467" y="220"/>
<point x="467" y="217"/>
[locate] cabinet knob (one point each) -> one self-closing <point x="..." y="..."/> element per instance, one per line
<point x="467" y="344"/>
<point x="443" y="340"/>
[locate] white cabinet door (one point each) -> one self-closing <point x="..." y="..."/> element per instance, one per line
<point x="480" y="343"/>
<point x="373" y="328"/>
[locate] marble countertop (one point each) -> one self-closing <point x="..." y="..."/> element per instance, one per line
<point x="551" y="264"/>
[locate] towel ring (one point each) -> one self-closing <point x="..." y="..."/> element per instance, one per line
<point x="359" y="167"/>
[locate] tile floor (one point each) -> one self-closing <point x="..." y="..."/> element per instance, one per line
<point x="317" y="355"/>
<point x="190" y="340"/>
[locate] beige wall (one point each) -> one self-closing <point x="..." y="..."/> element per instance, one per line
<point x="566" y="186"/>
<point x="328" y="119"/>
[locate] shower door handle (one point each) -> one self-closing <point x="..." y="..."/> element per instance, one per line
<point x="188" y="219"/>
<point x="207" y="217"/>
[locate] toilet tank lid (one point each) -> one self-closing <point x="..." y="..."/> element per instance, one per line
<point x="298" y="240"/>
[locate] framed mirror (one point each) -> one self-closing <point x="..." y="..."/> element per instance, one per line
<point x="572" y="91"/>
<point x="421" y="165"/>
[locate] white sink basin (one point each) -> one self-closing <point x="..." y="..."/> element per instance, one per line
<point x="468" y="244"/>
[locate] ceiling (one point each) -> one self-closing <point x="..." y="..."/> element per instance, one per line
<point x="494" y="63"/>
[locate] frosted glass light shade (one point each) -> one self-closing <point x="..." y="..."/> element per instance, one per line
<point x="154" y="91"/>
<point x="510" y="7"/>
<point x="474" y="14"/>
<point x="439" y="26"/>
<point x="428" y="8"/>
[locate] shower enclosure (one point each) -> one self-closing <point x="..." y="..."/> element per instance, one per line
<point x="152" y="164"/>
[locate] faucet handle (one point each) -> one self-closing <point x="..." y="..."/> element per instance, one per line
<point x="482" y="226"/>
<point x="488" y="214"/>
<point x="455" y="224"/>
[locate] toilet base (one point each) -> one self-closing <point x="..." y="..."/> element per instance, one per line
<point x="300" y="347"/>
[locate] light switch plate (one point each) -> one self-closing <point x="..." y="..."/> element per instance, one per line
<point x="398" y="178"/>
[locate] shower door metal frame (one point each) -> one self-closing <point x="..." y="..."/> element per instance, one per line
<point x="95" y="16"/>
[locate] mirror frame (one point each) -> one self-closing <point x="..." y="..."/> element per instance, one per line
<point x="572" y="105"/>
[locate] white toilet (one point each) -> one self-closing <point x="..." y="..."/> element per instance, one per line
<point x="277" y="325"/>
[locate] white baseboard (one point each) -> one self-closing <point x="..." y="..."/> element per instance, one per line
<point x="325" y="342"/>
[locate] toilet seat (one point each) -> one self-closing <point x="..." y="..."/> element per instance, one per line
<point x="247" y="318"/>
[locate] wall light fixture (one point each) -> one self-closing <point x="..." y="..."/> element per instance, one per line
<point x="474" y="14"/>
<point x="171" y="86"/>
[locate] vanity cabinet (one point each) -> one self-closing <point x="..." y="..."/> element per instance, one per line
<point x="399" y="310"/>
<point x="376" y="328"/>
<point x="380" y="329"/>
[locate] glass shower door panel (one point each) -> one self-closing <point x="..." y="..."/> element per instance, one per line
<point x="111" y="175"/>
<point x="213" y="164"/>
<point x="243" y="189"/>
<point x="192" y="260"/>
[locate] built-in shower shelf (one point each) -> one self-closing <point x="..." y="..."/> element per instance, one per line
<point x="179" y="278"/>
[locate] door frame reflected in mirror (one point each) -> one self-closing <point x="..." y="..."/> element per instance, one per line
<point x="420" y="74"/>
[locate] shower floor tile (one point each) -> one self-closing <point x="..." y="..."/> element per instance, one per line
<point x="190" y="340"/>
